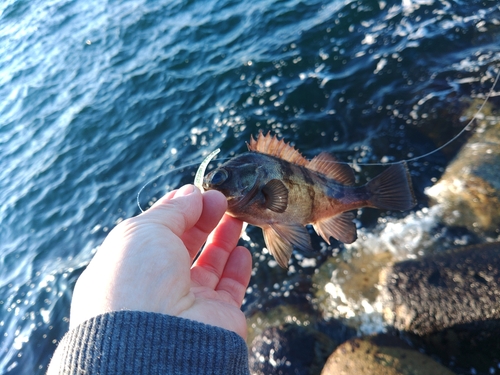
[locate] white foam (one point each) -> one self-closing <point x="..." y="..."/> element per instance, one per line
<point x="404" y="238"/>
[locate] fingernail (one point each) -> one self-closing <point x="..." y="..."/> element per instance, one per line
<point x="185" y="190"/>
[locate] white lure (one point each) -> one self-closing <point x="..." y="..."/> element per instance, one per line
<point x="200" y="173"/>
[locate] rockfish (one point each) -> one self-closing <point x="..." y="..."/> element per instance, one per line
<point x="274" y="187"/>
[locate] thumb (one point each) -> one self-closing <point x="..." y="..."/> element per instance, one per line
<point x="178" y="211"/>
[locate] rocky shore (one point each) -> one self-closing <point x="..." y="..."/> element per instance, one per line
<point x="413" y="298"/>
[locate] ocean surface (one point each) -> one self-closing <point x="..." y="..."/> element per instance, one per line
<point x="98" y="98"/>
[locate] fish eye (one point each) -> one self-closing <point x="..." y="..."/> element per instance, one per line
<point x="219" y="177"/>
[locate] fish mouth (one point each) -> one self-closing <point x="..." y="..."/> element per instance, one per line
<point x="232" y="201"/>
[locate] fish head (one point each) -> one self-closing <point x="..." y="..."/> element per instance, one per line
<point x="238" y="181"/>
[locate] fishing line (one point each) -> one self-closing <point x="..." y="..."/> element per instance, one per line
<point x="490" y="93"/>
<point x="171" y="171"/>
<point x="467" y="126"/>
<point x="160" y="175"/>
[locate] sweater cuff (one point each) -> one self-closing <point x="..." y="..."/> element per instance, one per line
<point x="133" y="342"/>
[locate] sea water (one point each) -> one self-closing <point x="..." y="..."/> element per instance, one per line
<point x="99" y="97"/>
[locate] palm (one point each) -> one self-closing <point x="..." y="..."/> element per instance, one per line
<point x="146" y="264"/>
<point x="219" y="277"/>
<point x="212" y="307"/>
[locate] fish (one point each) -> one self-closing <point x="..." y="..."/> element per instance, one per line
<point x="274" y="187"/>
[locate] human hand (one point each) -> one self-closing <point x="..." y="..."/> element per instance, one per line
<point x="145" y="264"/>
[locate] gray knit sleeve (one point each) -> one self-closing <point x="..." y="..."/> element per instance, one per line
<point x="133" y="342"/>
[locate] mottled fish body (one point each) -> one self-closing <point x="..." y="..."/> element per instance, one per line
<point x="274" y="187"/>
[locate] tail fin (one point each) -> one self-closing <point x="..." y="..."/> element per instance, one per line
<point x="392" y="189"/>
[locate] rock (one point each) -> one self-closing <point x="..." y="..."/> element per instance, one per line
<point x="289" y="349"/>
<point x="287" y="335"/>
<point x="381" y="355"/>
<point x="439" y="291"/>
<point x="346" y="288"/>
<point x="261" y="320"/>
<point x="469" y="190"/>
<point x="358" y="275"/>
<point x="450" y="305"/>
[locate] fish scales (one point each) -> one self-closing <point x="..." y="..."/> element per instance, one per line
<point x="310" y="197"/>
<point x="274" y="187"/>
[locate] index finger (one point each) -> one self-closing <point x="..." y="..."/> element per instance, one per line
<point x="214" y="206"/>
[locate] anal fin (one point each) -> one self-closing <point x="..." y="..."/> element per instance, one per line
<point x="340" y="227"/>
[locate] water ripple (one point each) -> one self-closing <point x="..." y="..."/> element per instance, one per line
<point x="98" y="98"/>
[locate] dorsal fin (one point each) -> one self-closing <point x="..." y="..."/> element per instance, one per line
<point x="266" y="144"/>
<point x="326" y="164"/>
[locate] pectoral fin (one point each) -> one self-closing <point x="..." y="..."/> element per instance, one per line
<point x="280" y="240"/>
<point x="340" y="227"/>
<point x="276" y="195"/>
